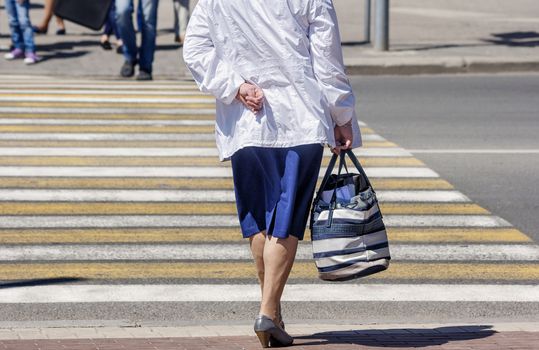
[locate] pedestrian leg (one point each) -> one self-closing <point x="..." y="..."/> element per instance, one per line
<point x="124" y="21"/>
<point x="257" y="249"/>
<point x="279" y="255"/>
<point x="149" y="32"/>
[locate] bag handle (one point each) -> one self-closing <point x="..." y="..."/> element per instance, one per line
<point x="333" y="201"/>
<point x="329" y="171"/>
<point x="325" y="179"/>
<point x="358" y="166"/>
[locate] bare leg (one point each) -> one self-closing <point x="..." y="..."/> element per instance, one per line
<point x="60" y="23"/>
<point x="257" y="249"/>
<point x="279" y="255"/>
<point x="47" y="15"/>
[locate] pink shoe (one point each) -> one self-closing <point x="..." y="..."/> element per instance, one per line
<point x="32" y="58"/>
<point x="14" y="54"/>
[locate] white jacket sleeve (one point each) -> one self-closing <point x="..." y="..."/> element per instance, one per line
<point x="211" y="73"/>
<point x="327" y="61"/>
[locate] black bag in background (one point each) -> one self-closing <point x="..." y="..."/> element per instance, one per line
<point x="87" y="13"/>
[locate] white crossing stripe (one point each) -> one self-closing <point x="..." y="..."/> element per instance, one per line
<point x="421" y="196"/>
<point x="251" y="292"/>
<point x="200" y="172"/>
<point x="477" y="151"/>
<point x="153" y="122"/>
<point x="134" y="100"/>
<point x="105" y="85"/>
<point x="163" y="151"/>
<point x="88" y="221"/>
<point x="238" y="251"/>
<point x="445" y="221"/>
<point x="129" y="136"/>
<point x="103" y="91"/>
<point x="107" y="136"/>
<point x="108" y="110"/>
<point x="98" y="195"/>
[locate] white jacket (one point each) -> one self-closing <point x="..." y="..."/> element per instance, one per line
<point x="291" y="49"/>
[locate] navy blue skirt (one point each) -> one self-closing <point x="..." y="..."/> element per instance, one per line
<point x="274" y="188"/>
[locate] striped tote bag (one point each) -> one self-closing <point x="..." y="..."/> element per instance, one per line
<point x="348" y="235"/>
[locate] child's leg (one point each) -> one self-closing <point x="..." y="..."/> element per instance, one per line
<point x="14" y="26"/>
<point x="23" y="14"/>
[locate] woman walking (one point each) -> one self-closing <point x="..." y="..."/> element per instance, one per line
<point x="276" y="70"/>
<point x="22" y="36"/>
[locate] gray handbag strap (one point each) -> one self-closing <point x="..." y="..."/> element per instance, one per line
<point x="325" y="179"/>
<point x="358" y="166"/>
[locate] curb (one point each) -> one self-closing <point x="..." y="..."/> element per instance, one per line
<point x="463" y="66"/>
<point x="137" y="331"/>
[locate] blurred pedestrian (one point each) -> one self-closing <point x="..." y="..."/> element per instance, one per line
<point x="43" y="27"/>
<point x="181" y="16"/>
<point x="110" y="28"/>
<point x="22" y="35"/>
<point x="133" y="56"/>
<point x="277" y="72"/>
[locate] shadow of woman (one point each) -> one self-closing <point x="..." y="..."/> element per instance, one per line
<point x="398" y="338"/>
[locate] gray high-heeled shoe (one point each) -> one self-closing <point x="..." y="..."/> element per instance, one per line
<point x="274" y="343"/>
<point x="265" y="328"/>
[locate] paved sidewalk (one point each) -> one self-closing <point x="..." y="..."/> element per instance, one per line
<point x="427" y="36"/>
<point x="501" y="336"/>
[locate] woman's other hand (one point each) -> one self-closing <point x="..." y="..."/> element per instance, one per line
<point x="343" y="137"/>
<point x="251" y="96"/>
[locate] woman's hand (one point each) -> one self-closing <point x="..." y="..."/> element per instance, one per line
<point x="251" y="96"/>
<point x="343" y="137"/>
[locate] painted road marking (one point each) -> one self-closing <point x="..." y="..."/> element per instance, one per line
<point x="399" y="271"/>
<point x="188" y="208"/>
<point x="197" y="195"/>
<point x="132" y="112"/>
<point x="476" y="151"/>
<point x="97" y="114"/>
<point x="156" y="152"/>
<point x="173" y="161"/>
<point x="180" y="129"/>
<point x="106" y="85"/>
<point x="216" y="234"/>
<point x="100" y="92"/>
<point x="94" y="221"/>
<point x="117" y="100"/>
<point x="190" y="183"/>
<point x="251" y="292"/>
<point x="387" y="172"/>
<point x="239" y="251"/>
<point x="15" y="121"/>
<point x="94" y="106"/>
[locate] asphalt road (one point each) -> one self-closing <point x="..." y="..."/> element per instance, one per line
<point x="423" y="114"/>
<point x="461" y="113"/>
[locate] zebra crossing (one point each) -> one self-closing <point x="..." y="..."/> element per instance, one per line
<point x="118" y="184"/>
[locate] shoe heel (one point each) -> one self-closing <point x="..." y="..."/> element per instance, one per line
<point x="264" y="338"/>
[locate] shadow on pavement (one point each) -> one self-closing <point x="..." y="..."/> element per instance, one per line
<point x="355" y="43"/>
<point x="515" y="39"/>
<point x="67" y="45"/>
<point x="399" y="338"/>
<point x="435" y="47"/>
<point x="62" y="55"/>
<point x="40" y="282"/>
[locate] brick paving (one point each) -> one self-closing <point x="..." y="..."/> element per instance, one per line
<point x="339" y="340"/>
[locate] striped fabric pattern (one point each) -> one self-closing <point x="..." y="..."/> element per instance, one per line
<point x="348" y="235"/>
